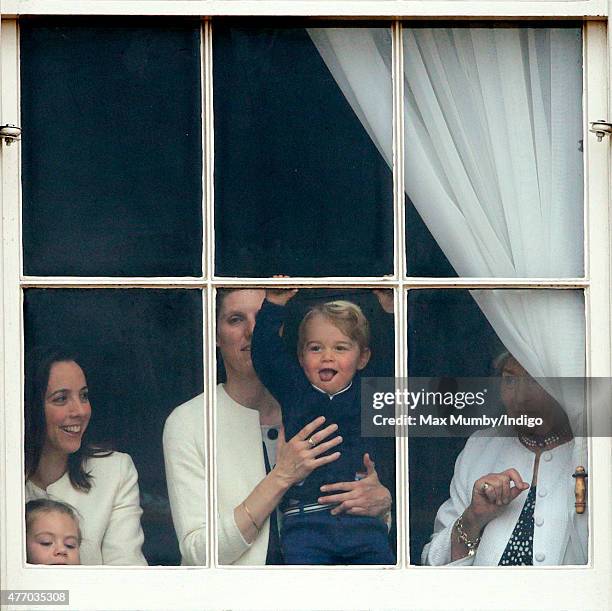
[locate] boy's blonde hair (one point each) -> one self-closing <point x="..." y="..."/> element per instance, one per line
<point x="344" y="315"/>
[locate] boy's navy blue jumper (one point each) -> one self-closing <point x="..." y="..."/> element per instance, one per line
<point x="301" y="403"/>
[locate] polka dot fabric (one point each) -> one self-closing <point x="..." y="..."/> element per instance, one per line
<point x="519" y="551"/>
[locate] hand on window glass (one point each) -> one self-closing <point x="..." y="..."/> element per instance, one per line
<point x="385" y="298"/>
<point x="280" y="296"/>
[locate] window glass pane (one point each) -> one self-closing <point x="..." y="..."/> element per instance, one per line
<point x="300" y="186"/>
<point x="458" y="334"/>
<point x="112" y="161"/>
<point x="494" y="162"/>
<point x="321" y="378"/>
<point x="141" y="352"/>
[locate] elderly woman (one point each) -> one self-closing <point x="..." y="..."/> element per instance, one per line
<point x="512" y="495"/>
<point x="61" y="465"/>
<point x="255" y="464"/>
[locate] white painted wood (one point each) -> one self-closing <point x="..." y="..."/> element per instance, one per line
<point x="598" y="295"/>
<point x="400" y="305"/>
<point x="114" y="588"/>
<point x="327" y="8"/>
<point x="208" y="268"/>
<point x="11" y="416"/>
<point x="365" y="281"/>
<point x="399" y="195"/>
<point x="3" y="509"/>
<point x="291" y="587"/>
<point x="208" y="140"/>
<point x="597" y="205"/>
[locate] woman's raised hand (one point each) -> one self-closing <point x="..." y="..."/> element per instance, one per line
<point x="491" y="493"/>
<point x="298" y="457"/>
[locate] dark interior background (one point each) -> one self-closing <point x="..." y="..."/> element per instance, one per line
<point x="448" y="335"/>
<point x="111" y="147"/>
<point x="300" y="188"/>
<point x="424" y="258"/>
<point x="142" y="353"/>
<point x="111" y="162"/>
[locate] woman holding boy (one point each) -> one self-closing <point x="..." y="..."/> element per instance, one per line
<point x="250" y="441"/>
<point x="333" y="347"/>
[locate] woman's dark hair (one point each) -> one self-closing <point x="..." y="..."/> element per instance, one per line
<point x="221" y="294"/>
<point x="38" y="369"/>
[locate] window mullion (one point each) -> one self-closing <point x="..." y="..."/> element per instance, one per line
<point x="401" y="346"/>
<point x="208" y="263"/>
<point x="208" y="138"/>
<point x="314" y="282"/>
<point x="397" y="56"/>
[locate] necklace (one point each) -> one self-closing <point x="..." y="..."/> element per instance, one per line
<point x="543" y="441"/>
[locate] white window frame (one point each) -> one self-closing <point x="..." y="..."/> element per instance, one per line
<point x="251" y="587"/>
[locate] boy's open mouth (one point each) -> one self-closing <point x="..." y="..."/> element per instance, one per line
<point x="326" y="375"/>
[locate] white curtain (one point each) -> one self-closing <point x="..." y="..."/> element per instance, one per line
<point x="493" y="164"/>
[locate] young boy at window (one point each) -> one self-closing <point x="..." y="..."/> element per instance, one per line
<point x="333" y="347"/>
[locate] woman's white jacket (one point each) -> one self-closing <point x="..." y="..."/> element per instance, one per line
<point x="240" y="467"/>
<point x="109" y="513"/>
<point x="560" y="534"/>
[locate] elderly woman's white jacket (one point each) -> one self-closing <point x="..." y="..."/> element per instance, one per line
<point x="109" y="513"/>
<point x="560" y="534"/>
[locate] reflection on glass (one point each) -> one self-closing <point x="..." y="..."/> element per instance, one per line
<point x="300" y="186"/>
<point x="112" y="152"/>
<point x="518" y="335"/>
<point x="104" y="368"/>
<point x="314" y="370"/>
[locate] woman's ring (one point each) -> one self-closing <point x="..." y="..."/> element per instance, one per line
<point x="311" y="441"/>
<point x="485" y="487"/>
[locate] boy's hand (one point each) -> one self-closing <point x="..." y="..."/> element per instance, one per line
<point x="385" y="298"/>
<point x="280" y="296"/>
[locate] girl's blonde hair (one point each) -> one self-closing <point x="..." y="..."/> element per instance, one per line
<point x="39" y="506"/>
